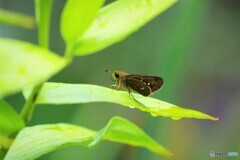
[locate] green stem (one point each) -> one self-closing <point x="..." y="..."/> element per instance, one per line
<point x="43" y="12"/>
<point x="29" y="106"/>
<point x="68" y="54"/>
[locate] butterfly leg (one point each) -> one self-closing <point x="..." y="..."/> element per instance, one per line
<point x="116" y="85"/>
<point x="130" y="94"/>
<point x="119" y="83"/>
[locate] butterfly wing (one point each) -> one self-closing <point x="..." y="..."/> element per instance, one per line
<point x="153" y="82"/>
<point x="137" y="86"/>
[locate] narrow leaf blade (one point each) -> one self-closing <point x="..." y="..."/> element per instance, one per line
<point x="77" y="16"/>
<point x="10" y="122"/>
<point x="25" y="64"/>
<point x="118" y="20"/>
<point x="32" y="142"/>
<point x="16" y="19"/>
<point x="59" y="93"/>
<point x="123" y="131"/>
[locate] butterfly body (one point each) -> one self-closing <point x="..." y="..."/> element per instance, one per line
<point x="144" y="85"/>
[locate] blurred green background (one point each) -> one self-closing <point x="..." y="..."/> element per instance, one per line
<point x="194" y="46"/>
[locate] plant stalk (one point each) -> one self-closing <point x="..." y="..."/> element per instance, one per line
<point x="43" y="12"/>
<point x="29" y="106"/>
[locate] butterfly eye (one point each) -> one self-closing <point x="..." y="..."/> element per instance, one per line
<point x="116" y="75"/>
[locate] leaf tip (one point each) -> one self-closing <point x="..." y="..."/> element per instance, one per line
<point x="212" y="118"/>
<point x="215" y="118"/>
<point x="170" y="155"/>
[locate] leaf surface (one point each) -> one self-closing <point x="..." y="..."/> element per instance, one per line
<point x="32" y="142"/>
<point x="25" y="64"/>
<point x="60" y="93"/>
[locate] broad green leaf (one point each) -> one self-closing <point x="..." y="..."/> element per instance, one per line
<point x="77" y="16"/>
<point x="16" y="19"/>
<point x="43" y="10"/>
<point x="32" y="142"/>
<point x="10" y="122"/>
<point x="59" y="93"/>
<point x="25" y="64"/>
<point x="117" y="21"/>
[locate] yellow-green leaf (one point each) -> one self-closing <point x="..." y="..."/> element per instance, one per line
<point x="32" y="142"/>
<point x="16" y="19"/>
<point x="59" y="93"/>
<point x="10" y="123"/>
<point x="23" y="64"/>
<point x="77" y="16"/>
<point x="118" y="20"/>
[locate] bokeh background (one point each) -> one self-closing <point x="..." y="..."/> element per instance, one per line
<point x="194" y="46"/>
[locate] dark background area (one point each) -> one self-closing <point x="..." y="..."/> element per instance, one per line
<point x="194" y="46"/>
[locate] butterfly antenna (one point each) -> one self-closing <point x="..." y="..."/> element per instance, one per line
<point x="108" y="70"/>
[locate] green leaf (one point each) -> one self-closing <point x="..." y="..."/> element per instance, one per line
<point x="117" y="21"/>
<point x="16" y="19"/>
<point x="25" y="64"/>
<point x="43" y="14"/>
<point x="10" y="122"/>
<point x="32" y="142"/>
<point x="59" y="93"/>
<point x="76" y="18"/>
